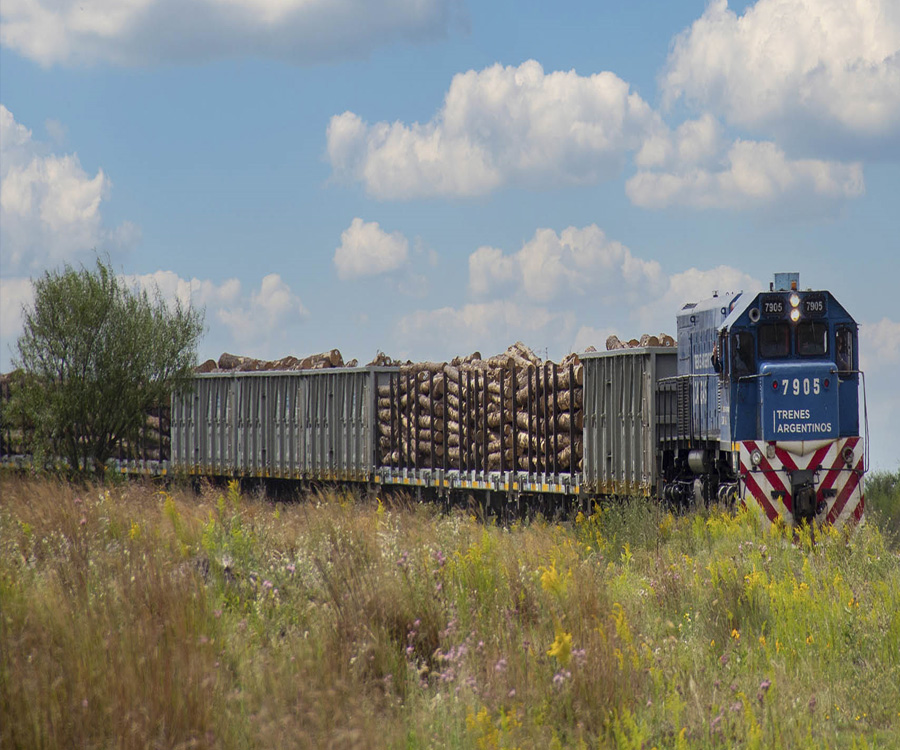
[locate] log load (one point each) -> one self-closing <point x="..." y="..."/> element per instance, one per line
<point x="510" y="411"/>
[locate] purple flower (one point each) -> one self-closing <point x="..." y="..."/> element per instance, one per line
<point x="500" y="666"/>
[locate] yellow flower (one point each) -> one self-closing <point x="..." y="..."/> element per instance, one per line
<point x="809" y="640"/>
<point x="762" y="641"/>
<point x="551" y="580"/>
<point x="561" y="648"/>
<point x="735" y="634"/>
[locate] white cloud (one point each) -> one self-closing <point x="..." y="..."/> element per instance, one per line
<point x="14" y="294"/>
<point x="693" y="285"/>
<point x="488" y="327"/>
<point x="366" y="249"/>
<point x="694" y="143"/>
<point x="139" y="32"/>
<point x="190" y="292"/>
<point x="498" y="126"/>
<point x="879" y="344"/>
<point x="879" y="352"/>
<point x="563" y="292"/>
<point x="254" y="323"/>
<point x="49" y="206"/>
<point x="265" y="313"/>
<point x="804" y="67"/>
<point x="574" y="262"/>
<point x="754" y="174"/>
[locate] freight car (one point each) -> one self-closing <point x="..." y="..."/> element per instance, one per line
<point x="758" y="403"/>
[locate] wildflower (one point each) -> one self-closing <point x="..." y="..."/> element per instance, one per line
<point x="737" y="706"/>
<point x="500" y="666"/>
<point x="83" y="521"/>
<point x="291" y="568"/>
<point x="267" y="584"/>
<point x="560" y="677"/>
<point x="78" y="501"/>
<point x="812" y="704"/>
<point x="809" y="639"/>
<point x="561" y="648"/>
<point x="735" y="634"/>
<point x="723" y="660"/>
<point x="512" y="693"/>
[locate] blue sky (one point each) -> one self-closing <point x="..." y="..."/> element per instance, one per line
<point x="432" y="177"/>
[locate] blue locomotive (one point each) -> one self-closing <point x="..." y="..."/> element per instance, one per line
<point x="766" y="405"/>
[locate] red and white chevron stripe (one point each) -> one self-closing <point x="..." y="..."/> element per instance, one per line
<point x="839" y="486"/>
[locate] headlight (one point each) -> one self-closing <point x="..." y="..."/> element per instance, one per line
<point x="795" y="315"/>
<point x="847" y="455"/>
<point x="795" y="300"/>
<point x="756" y="457"/>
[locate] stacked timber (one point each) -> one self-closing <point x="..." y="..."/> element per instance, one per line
<point x="613" y="342"/>
<point x="235" y="363"/>
<point x="512" y="411"/>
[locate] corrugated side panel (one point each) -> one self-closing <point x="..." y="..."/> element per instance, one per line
<point x="305" y="425"/>
<point x="620" y="420"/>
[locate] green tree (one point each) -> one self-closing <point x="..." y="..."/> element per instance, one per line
<point x="96" y="356"/>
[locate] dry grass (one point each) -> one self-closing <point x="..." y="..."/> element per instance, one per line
<point x="136" y="618"/>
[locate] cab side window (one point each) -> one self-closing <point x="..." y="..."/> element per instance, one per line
<point x="743" y="355"/>
<point x="843" y="350"/>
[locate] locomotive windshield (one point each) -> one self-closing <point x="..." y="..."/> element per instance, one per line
<point x="812" y="338"/>
<point x="774" y="340"/>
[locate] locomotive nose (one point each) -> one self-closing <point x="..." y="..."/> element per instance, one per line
<point x="798" y="401"/>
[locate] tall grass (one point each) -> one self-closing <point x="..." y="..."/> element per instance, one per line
<point x="133" y="617"/>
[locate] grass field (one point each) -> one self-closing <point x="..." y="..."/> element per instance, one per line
<point x="136" y="618"/>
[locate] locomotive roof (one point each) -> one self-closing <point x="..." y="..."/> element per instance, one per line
<point x="746" y="301"/>
<point x="712" y="303"/>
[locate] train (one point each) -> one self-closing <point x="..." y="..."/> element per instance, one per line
<point x="758" y="402"/>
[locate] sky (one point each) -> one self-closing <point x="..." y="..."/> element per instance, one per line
<point x="428" y="178"/>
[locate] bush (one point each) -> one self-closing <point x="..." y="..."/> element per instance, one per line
<point x="883" y="502"/>
<point x="96" y="357"/>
